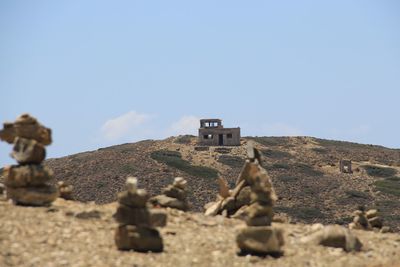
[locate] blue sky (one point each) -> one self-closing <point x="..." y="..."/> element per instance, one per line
<point x="107" y="72"/>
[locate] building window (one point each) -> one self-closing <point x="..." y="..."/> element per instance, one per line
<point x="229" y="136"/>
<point x="208" y="136"/>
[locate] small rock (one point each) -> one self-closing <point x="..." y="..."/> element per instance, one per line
<point x="260" y="240"/>
<point x="337" y="237"/>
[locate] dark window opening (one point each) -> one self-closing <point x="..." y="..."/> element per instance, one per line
<point x="229" y="136"/>
<point x="208" y="136"/>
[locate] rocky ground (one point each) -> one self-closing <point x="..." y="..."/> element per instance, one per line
<point x="304" y="171"/>
<point x="70" y="233"/>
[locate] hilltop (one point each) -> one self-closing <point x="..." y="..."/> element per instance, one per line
<point x="304" y="171"/>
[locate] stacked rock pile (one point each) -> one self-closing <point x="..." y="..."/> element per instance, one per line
<point x="28" y="182"/>
<point x="368" y="220"/>
<point x="174" y="196"/>
<point x="233" y="202"/>
<point x="259" y="237"/>
<point x="136" y="230"/>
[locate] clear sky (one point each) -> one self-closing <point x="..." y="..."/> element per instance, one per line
<point x="108" y="72"/>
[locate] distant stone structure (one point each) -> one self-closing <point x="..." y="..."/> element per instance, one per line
<point x="345" y="166"/>
<point x="212" y="133"/>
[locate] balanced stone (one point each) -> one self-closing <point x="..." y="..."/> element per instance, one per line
<point x="133" y="200"/>
<point x="260" y="240"/>
<point x="140" y="239"/>
<point x="174" y="196"/>
<point x="28" y="182"/>
<point x="26" y="127"/>
<point x="27" y="175"/>
<point x="33" y="196"/>
<point x="28" y="151"/>
<point x="136" y="221"/>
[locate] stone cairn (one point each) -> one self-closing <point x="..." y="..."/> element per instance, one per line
<point x="233" y="203"/>
<point x="174" y="196"/>
<point x="28" y="182"/>
<point x="368" y="220"/>
<point x="136" y="229"/>
<point x="259" y="237"/>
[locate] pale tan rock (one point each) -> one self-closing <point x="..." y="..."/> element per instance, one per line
<point x="33" y="196"/>
<point x="142" y="239"/>
<point x="133" y="200"/>
<point x="27" y="127"/>
<point x="371" y="213"/>
<point x="27" y="175"/>
<point x="28" y="151"/>
<point x="335" y="236"/>
<point x="65" y="190"/>
<point x="260" y="240"/>
<point x="132" y="216"/>
<point x="165" y="201"/>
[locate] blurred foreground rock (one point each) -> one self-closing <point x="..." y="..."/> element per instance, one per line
<point x="136" y="230"/>
<point x="29" y="182"/>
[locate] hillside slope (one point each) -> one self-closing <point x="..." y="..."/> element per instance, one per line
<point x="304" y="170"/>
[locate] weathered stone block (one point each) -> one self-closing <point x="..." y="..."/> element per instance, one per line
<point x="137" y="200"/>
<point x="33" y="196"/>
<point x="27" y="175"/>
<point x="142" y="239"/>
<point x="132" y="216"/>
<point x="260" y="240"/>
<point x="28" y="151"/>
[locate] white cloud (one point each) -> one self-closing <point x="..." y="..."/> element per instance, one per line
<point x="123" y="125"/>
<point x="185" y="125"/>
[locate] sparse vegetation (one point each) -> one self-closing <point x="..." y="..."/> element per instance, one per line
<point x="376" y="171"/>
<point x="356" y="194"/>
<point x="320" y="150"/>
<point x="174" y="159"/>
<point x="389" y="185"/>
<point x="286" y="178"/>
<point x="275" y="154"/>
<point x="278" y="166"/>
<point x="271" y="141"/>
<point x="128" y="168"/>
<point x="183" y="139"/>
<point x="307" y="170"/>
<point x="231" y="161"/>
<point x="302" y="213"/>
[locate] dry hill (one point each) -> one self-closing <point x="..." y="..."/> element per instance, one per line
<point x="304" y="170"/>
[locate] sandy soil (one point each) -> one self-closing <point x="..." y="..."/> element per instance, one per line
<point x="59" y="236"/>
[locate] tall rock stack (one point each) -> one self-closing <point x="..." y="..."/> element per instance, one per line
<point x="259" y="237"/>
<point x="136" y="230"/>
<point x="28" y="183"/>
<point x="174" y="196"/>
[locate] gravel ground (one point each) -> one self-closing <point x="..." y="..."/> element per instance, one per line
<point x="75" y="234"/>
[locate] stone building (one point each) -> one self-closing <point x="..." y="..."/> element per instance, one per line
<point x="212" y="133"/>
<point x="345" y="166"/>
